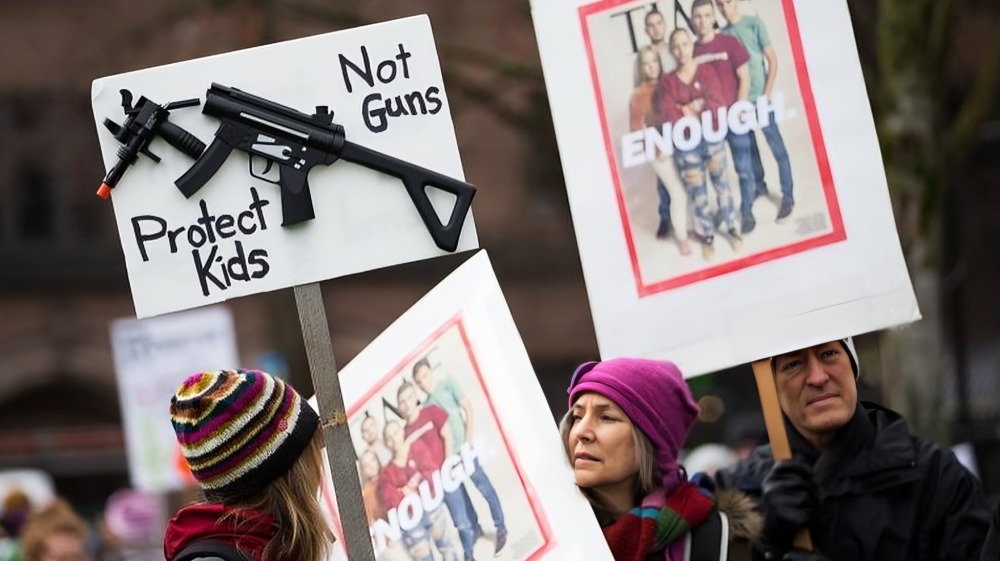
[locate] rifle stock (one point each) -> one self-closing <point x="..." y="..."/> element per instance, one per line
<point x="416" y="179"/>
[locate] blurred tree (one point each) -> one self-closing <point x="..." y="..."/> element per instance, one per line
<point x="928" y="122"/>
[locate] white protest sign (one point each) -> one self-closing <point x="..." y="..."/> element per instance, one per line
<point x="152" y="357"/>
<point x="664" y="119"/>
<point x="448" y="396"/>
<point x="382" y="82"/>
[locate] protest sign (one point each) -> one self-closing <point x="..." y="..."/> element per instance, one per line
<point x="239" y="233"/>
<point x="724" y="176"/>
<point x="152" y="356"/>
<point x="452" y="432"/>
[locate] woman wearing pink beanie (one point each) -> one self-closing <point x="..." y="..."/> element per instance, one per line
<point x="627" y="421"/>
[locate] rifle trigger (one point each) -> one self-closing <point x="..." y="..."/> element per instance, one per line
<point x="262" y="175"/>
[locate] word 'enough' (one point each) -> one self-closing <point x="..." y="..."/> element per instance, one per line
<point x="641" y="146"/>
<point x="455" y="469"/>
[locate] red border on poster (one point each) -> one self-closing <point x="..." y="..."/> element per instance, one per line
<point x="822" y="162"/>
<point x="541" y="520"/>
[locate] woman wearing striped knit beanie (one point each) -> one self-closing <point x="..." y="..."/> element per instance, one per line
<point x="627" y="422"/>
<point x="254" y="446"/>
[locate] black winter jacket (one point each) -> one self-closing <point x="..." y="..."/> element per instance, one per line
<point x="886" y="494"/>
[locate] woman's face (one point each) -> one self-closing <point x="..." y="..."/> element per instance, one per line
<point x="393" y="434"/>
<point x="369" y="465"/>
<point x="601" y="445"/>
<point x="681" y="47"/>
<point x="650" y="66"/>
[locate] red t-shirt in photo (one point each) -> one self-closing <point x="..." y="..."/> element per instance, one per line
<point x="393" y="478"/>
<point x="437" y="418"/>
<point x="724" y="53"/>
<point x="674" y="93"/>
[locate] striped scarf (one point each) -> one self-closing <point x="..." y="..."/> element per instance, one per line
<point x="658" y="522"/>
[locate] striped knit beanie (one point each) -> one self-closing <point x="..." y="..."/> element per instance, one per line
<point x="239" y="430"/>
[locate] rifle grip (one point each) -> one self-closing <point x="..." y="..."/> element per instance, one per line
<point x="296" y="200"/>
<point x="182" y="140"/>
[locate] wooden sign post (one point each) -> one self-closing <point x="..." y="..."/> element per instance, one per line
<point x="333" y="417"/>
<point x="775" y="423"/>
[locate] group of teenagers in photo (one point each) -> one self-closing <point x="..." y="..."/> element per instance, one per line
<point x="407" y="458"/>
<point x="860" y="482"/>
<point x="692" y="79"/>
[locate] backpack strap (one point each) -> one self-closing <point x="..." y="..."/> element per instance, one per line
<point x="710" y="540"/>
<point x="209" y="550"/>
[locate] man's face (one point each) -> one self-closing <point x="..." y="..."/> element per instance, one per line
<point x="424" y="379"/>
<point x="703" y="20"/>
<point x="730" y="9"/>
<point x="816" y="390"/>
<point x="408" y="402"/>
<point x="656" y="28"/>
<point x="369" y="431"/>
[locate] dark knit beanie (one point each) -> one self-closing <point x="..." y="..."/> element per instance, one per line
<point x="239" y="430"/>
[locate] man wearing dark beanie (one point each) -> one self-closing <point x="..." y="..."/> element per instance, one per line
<point x="865" y="487"/>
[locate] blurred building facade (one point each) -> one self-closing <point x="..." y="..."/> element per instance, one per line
<point x="62" y="278"/>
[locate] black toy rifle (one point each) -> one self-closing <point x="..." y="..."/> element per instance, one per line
<point x="144" y="122"/>
<point x="297" y="142"/>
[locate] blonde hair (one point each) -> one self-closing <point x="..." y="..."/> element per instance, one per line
<point x="650" y="50"/>
<point x="645" y="453"/>
<point x="57" y="517"/>
<point x="291" y="499"/>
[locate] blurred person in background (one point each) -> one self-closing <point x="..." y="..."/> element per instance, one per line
<point x="744" y="433"/>
<point x="131" y="528"/>
<point x="255" y="448"/>
<point x="709" y="458"/>
<point x="16" y="508"/>
<point x="55" y="533"/>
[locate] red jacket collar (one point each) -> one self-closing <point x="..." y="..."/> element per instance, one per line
<point x="250" y="532"/>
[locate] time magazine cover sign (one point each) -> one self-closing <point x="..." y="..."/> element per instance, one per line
<point x="723" y="169"/>
<point x="457" y="451"/>
<point x="381" y="82"/>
